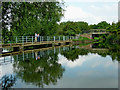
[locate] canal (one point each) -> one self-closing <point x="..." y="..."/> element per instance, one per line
<point x="72" y="66"/>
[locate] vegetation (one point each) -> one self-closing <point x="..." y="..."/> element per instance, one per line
<point x="28" y="18"/>
<point x="72" y="28"/>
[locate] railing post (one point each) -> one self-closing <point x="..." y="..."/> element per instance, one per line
<point x="26" y="39"/>
<point x="59" y="38"/>
<point x="54" y="38"/>
<point x="40" y="38"/>
<point x="63" y="38"/>
<point x="23" y="39"/>
<point x="16" y="39"/>
<point x="76" y="37"/>
<point x="23" y="56"/>
<point x="47" y="38"/>
<point x="32" y="39"/>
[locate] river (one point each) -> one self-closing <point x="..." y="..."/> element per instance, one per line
<point x="61" y="67"/>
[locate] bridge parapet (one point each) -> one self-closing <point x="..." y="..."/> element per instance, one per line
<point x="98" y="31"/>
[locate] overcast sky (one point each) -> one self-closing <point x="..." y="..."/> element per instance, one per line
<point x="91" y="11"/>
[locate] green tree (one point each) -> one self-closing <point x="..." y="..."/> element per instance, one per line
<point x="26" y="18"/>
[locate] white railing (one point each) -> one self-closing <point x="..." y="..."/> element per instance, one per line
<point x="31" y="39"/>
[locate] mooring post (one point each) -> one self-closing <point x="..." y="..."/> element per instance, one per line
<point x="32" y="39"/>
<point x="16" y="39"/>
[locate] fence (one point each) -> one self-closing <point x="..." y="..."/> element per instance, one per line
<point x="31" y="39"/>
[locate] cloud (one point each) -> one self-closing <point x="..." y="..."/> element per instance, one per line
<point x="93" y="14"/>
<point x="94" y="60"/>
<point x="77" y="14"/>
<point x="91" y="0"/>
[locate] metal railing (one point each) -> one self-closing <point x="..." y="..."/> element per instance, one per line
<point x="32" y="39"/>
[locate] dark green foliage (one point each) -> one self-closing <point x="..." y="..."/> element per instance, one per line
<point x="101" y="25"/>
<point x="114" y="37"/>
<point x="27" y="18"/>
<point x="72" y="28"/>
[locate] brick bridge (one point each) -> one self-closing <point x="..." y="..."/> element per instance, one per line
<point x="94" y="32"/>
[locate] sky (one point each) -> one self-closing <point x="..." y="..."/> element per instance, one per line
<point x="91" y="11"/>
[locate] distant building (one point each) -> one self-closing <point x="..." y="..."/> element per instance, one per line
<point x="119" y="11"/>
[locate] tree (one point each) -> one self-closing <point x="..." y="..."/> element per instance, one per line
<point x="72" y="28"/>
<point x="101" y="25"/>
<point x="26" y="18"/>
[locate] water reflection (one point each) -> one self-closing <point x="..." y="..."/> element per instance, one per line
<point x="8" y="81"/>
<point x="39" y="71"/>
<point x="46" y="67"/>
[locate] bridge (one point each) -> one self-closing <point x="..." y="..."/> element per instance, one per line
<point x="94" y="33"/>
<point x="18" y="43"/>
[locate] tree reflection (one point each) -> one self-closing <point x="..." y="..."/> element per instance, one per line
<point x="8" y="81"/>
<point x="40" y="72"/>
<point x="113" y="51"/>
<point x="45" y="69"/>
<point x="74" y="53"/>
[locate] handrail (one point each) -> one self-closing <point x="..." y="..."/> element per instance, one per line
<point x="33" y="39"/>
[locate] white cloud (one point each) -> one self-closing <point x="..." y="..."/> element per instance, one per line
<point x="94" y="61"/>
<point x="91" y="0"/>
<point x="93" y="15"/>
<point x="77" y="14"/>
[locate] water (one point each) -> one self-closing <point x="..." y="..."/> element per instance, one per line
<point x="61" y="67"/>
